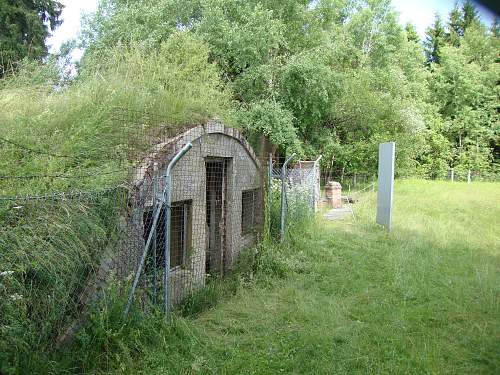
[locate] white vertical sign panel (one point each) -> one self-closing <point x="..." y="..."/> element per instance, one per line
<point x="386" y="154"/>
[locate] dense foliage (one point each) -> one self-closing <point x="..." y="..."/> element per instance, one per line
<point x="463" y="60"/>
<point x="335" y="77"/>
<point x="24" y="27"/>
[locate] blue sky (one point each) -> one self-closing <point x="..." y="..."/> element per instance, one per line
<point x="420" y="13"/>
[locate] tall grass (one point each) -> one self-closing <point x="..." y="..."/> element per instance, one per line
<point x="51" y="249"/>
<point x="354" y="299"/>
<point x="175" y="83"/>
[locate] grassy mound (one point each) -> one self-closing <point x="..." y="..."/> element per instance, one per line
<point x="94" y="126"/>
<point x="83" y="135"/>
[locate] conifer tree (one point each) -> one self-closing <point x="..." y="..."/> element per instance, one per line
<point x="24" y="27"/>
<point x="495" y="28"/>
<point x="411" y="33"/>
<point x="469" y="15"/>
<point x="455" y="26"/>
<point x="435" y="40"/>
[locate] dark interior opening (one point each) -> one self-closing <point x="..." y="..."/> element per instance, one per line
<point x="180" y="235"/>
<point x="216" y="172"/>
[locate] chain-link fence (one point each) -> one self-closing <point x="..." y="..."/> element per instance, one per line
<point x="294" y="192"/>
<point x="463" y="175"/>
<point x="459" y="175"/>
<point x="355" y="181"/>
<point x="56" y="251"/>
<point x="351" y="182"/>
<point x="189" y="206"/>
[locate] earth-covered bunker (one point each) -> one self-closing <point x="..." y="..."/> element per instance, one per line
<point x="216" y="209"/>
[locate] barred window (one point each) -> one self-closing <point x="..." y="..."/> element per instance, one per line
<point x="180" y="234"/>
<point x="248" y="210"/>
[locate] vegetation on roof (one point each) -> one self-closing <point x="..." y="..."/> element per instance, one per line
<point x="92" y="125"/>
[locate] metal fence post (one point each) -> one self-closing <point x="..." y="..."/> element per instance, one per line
<point x="166" y="250"/>
<point x="452" y="175"/>
<point x="282" y="176"/>
<point x="155" y="198"/>
<point x="468" y="176"/>
<point x="166" y="193"/>
<point x="168" y="202"/>
<point x="270" y="190"/>
<point x="142" y="261"/>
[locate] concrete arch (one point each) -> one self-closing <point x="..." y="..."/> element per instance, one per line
<point x="164" y="151"/>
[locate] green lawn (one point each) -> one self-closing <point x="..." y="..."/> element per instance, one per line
<point x="424" y="299"/>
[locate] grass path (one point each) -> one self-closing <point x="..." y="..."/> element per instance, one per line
<point x="424" y="299"/>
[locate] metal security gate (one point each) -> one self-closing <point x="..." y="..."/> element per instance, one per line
<point x="160" y="218"/>
<point x="216" y="201"/>
<point x="299" y="186"/>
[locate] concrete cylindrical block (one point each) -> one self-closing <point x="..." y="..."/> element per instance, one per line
<point x="333" y="192"/>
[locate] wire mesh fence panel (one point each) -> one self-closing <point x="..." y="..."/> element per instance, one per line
<point x="304" y="176"/>
<point x="457" y="175"/>
<point x="273" y="196"/>
<point x="464" y="175"/>
<point x="56" y="253"/>
<point x="294" y="193"/>
<point x="300" y="193"/>
<point x="215" y="210"/>
<point x="97" y="160"/>
<point x="60" y="252"/>
<point x="349" y="181"/>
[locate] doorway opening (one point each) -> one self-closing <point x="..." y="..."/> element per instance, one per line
<point x="216" y="203"/>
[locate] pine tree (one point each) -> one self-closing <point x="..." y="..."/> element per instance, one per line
<point x="24" y="27"/>
<point x="411" y="33"/>
<point x="435" y="39"/>
<point x="455" y="26"/>
<point x="469" y="15"/>
<point x="495" y="28"/>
